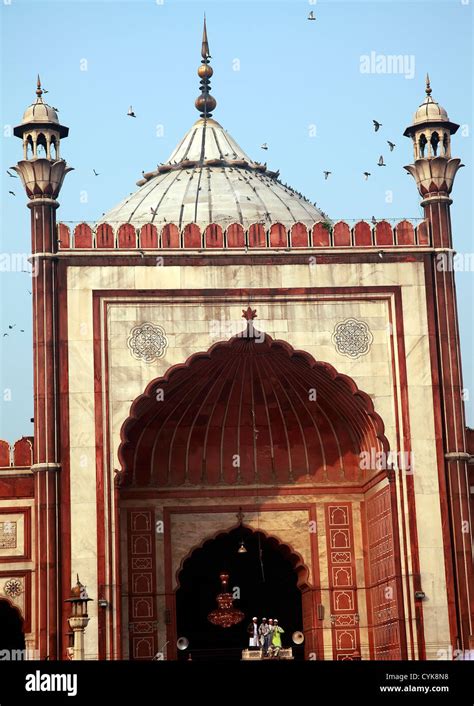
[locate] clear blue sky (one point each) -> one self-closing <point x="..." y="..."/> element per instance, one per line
<point x="293" y="73"/>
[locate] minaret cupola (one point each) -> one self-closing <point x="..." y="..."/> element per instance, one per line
<point x="434" y="169"/>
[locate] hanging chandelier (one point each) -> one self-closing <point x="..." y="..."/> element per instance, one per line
<point x="226" y="615"/>
<point x="242" y="548"/>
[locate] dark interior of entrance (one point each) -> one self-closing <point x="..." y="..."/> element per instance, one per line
<point x="266" y="579"/>
<point x="11" y="628"/>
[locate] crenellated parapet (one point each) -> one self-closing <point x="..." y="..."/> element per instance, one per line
<point x="343" y="234"/>
<point x="17" y="455"/>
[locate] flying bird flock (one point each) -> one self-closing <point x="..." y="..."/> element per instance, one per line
<point x="366" y="174"/>
<point x="10" y="328"/>
<point x="380" y="163"/>
<point x="377" y="125"/>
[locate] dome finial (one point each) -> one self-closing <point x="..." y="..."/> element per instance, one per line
<point x="205" y="103"/>
<point x="428" y="85"/>
<point x="39" y="90"/>
<point x="205" y="44"/>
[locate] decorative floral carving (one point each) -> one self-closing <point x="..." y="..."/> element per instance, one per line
<point x="13" y="588"/>
<point x="352" y="338"/>
<point x="147" y="342"/>
<point x="8" y="537"/>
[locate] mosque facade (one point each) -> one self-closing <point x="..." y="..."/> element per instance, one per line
<point x="223" y="374"/>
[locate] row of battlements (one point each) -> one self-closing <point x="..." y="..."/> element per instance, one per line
<point x="343" y="234"/>
<point x="17" y="455"/>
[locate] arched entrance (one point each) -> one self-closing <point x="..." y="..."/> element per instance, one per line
<point x="265" y="578"/>
<point x="253" y="423"/>
<point x="11" y="628"/>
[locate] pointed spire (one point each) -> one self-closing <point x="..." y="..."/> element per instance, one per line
<point x="428" y="85"/>
<point x="205" y="44"/>
<point x="39" y="90"/>
<point x="205" y="103"/>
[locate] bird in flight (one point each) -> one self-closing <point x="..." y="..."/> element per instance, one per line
<point x="13" y="176"/>
<point x="96" y="173"/>
<point x="366" y="175"/>
<point x="377" y="125"/>
<point x="311" y="16"/>
<point x="381" y="163"/>
<point x="10" y="326"/>
<point x="326" y="174"/>
<point x="392" y="145"/>
<point x="130" y="113"/>
<point x="12" y="193"/>
<point x="264" y="146"/>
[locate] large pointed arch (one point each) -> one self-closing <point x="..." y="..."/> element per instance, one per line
<point x="250" y="411"/>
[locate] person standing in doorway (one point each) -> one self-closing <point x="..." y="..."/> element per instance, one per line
<point x="276" y="638"/>
<point x="265" y="636"/>
<point x="270" y="636"/>
<point x="253" y="633"/>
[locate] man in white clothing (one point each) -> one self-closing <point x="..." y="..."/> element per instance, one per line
<point x="253" y="633"/>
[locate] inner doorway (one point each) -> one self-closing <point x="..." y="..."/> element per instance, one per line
<point x="265" y="580"/>
<point x="11" y="633"/>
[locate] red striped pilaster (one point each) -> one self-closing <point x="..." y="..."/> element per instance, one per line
<point x="451" y="426"/>
<point x="46" y="461"/>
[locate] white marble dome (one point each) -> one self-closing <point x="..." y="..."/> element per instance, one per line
<point x="208" y="178"/>
<point x="430" y="111"/>
<point x="40" y="112"/>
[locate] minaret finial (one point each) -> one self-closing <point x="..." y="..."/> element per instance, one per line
<point x="39" y="90"/>
<point x="205" y="103"/>
<point x="428" y="85"/>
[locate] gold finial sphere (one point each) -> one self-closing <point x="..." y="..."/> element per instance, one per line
<point x="205" y="71"/>
<point x="205" y="104"/>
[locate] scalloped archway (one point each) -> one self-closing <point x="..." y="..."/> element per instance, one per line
<point x="271" y="579"/>
<point x="295" y="558"/>
<point x="249" y="411"/>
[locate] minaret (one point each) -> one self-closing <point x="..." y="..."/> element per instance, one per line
<point x="434" y="171"/>
<point x="42" y="173"/>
